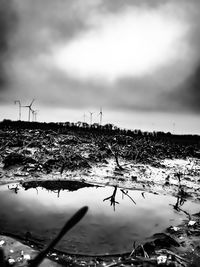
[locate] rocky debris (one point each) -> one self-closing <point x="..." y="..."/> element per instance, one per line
<point x="17" y="254"/>
<point x="162" y="240"/>
<point x="188" y="233"/>
<point x="16" y="159"/>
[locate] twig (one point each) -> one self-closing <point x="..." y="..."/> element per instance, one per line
<point x="133" y="251"/>
<point x="2" y="261"/>
<point x="137" y="260"/>
<point x="116" y="157"/>
<point x="125" y="193"/>
<point x="112" y="198"/>
<point x="144" y="252"/>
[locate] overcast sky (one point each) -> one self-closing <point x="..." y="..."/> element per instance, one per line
<point x="127" y="56"/>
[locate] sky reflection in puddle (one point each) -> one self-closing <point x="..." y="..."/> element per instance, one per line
<point x="108" y="227"/>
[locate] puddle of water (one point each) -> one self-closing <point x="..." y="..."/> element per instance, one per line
<point x="103" y="229"/>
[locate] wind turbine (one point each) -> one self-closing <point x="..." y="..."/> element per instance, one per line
<point x="100" y="116"/>
<point x="18" y="101"/>
<point x="84" y="116"/>
<point x="173" y="125"/>
<point x="34" y="115"/>
<point x="30" y="109"/>
<point x="91" y="113"/>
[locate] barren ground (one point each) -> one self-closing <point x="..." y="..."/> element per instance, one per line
<point x="145" y="163"/>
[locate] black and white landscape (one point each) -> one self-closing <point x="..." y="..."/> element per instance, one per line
<point x="99" y="107"/>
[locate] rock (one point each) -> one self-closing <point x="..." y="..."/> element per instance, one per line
<point x="16" y="159"/>
<point x="149" y="247"/>
<point x="173" y="229"/>
<point x="191" y="223"/>
<point x="2" y="242"/>
<point x="162" y="259"/>
<point x="165" y="241"/>
<point x="134" y="178"/>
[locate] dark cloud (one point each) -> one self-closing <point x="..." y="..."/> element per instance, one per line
<point x="44" y="23"/>
<point x="187" y="96"/>
<point x="117" y="5"/>
<point x="193" y="86"/>
<point x="8" y="22"/>
<point x="160" y="92"/>
<point x="31" y="28"/>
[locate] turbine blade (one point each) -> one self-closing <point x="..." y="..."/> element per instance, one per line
<point x="32" y="102"/>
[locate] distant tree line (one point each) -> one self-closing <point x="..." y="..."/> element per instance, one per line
<point x="65" y="127"/>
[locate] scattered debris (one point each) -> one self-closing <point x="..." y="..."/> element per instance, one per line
<point x="16" y="159"/>
<point x="2" y="242"/>
<point x="162" y="259"/>
<point x="191" y="223"/>
<point x="27" y="154"/>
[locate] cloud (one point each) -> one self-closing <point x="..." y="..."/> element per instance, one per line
<point x="124" y="54"/>
<point x="188" y="94"/>
<point x="131" y="43"/>
<point x="8" y="20"/>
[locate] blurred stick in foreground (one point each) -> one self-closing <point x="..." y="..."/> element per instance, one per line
<point x="70" y="223"/>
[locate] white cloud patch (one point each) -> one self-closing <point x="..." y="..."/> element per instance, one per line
<point x="132" y="43"/>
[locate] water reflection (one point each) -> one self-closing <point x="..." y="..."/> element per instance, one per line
<point x="57" y="192"/>
<point x="14" y="189"/>
<point x="126" y="194"/>
<point x="42" y="213"/>
<point x="180" y="201"/>
<point x="112" y="198"/>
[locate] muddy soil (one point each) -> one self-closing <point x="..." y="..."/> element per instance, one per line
<point x="162" y="166"/>
<point x="19" y="254"/>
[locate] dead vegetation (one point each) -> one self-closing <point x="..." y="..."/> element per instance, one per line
<point x="44" y="152"/>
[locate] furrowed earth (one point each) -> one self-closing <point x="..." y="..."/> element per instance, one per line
<point x="124" y="170"/>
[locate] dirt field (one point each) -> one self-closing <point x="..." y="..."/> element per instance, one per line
<point x="162" y="165"/>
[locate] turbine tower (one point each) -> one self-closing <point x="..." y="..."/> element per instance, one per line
<point x="19" y="103"/>
<point x="30" y="109"/>
<point x="34" y="115"/>
<point x="100" y="116"/>
<point x="84" y="116"/>
<point x="91" y="113"/>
